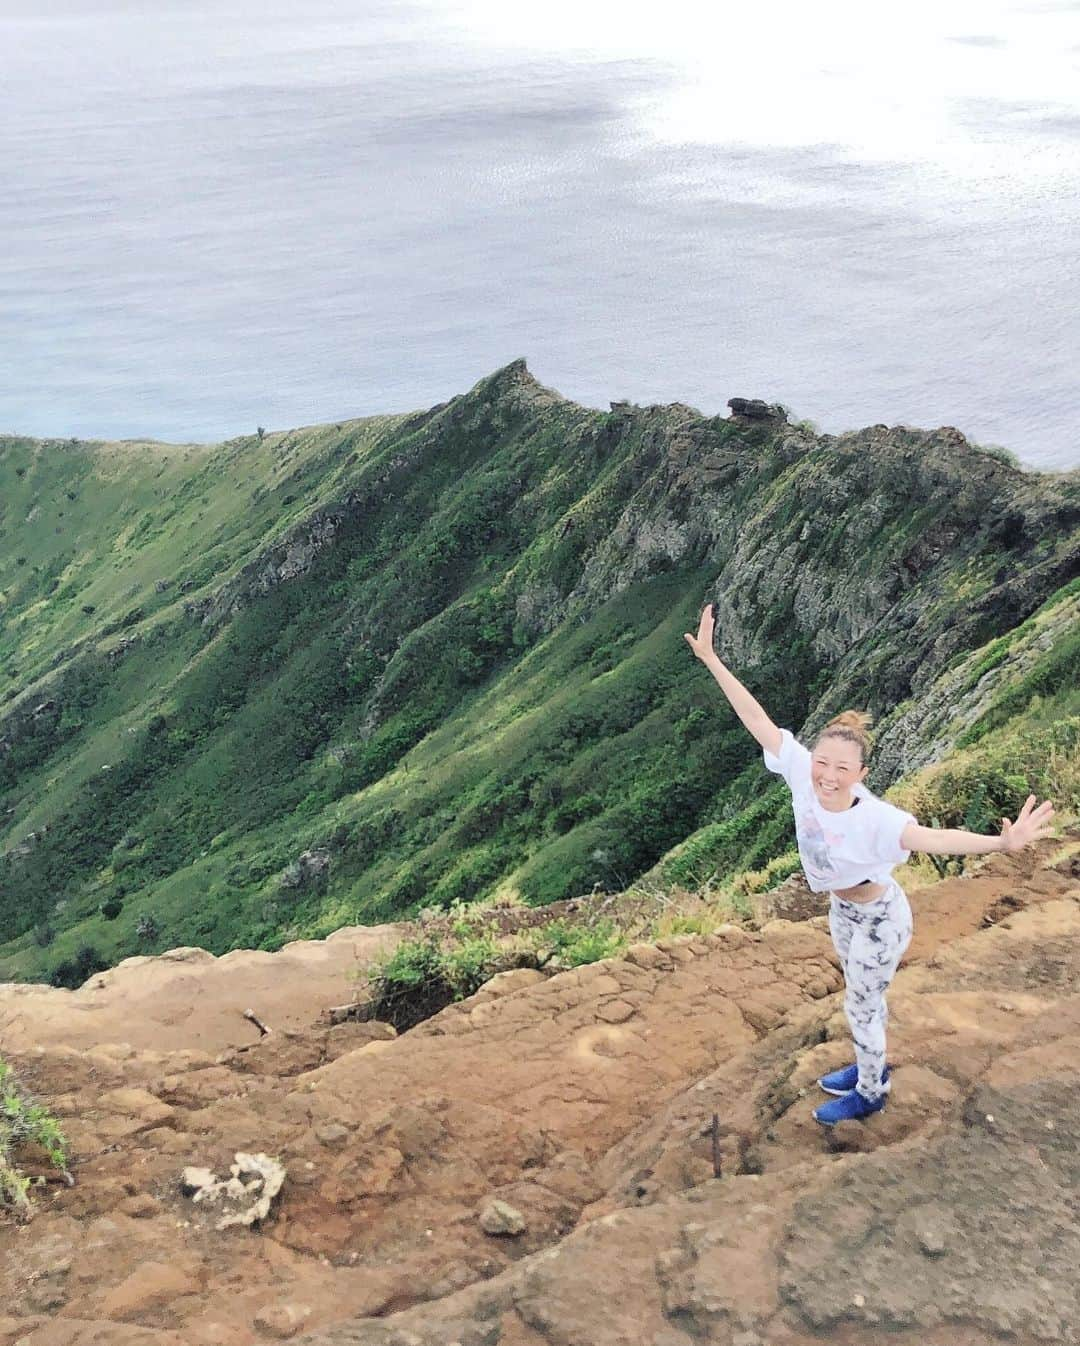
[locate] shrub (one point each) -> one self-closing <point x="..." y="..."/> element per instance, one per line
<point x="576" y="945"/>
<point x="700" y="923"/>
<point x="761" y="880"/>
<point x="470" y="964"/>
<point x="412" y="962"/>
<point x="73" y="972"/>
<point x="570" y="812"/>
<point x="411" y="985"/>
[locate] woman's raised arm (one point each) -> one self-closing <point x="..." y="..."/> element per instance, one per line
<point x="743" y="704"/>
<point x="1032" y="824"/>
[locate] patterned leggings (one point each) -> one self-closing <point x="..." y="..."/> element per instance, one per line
<point x="870" y="938"/>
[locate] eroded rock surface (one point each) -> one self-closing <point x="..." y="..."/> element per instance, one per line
<point x="584" y="1101"/>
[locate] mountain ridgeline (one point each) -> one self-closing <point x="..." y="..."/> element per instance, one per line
<point x="256" y="690"/>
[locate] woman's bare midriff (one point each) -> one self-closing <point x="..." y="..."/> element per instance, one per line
<point x="862" y="892"/>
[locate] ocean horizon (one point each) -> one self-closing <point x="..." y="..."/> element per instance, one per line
<point x="220" y="217"/>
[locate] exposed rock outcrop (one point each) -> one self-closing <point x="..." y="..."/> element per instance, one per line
<point x="754" y="409"/>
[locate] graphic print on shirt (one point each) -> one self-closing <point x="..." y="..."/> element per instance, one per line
<point x="814" y="845"/>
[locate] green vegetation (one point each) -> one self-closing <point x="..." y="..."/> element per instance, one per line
<point x="1025" y="740"/>
<point x="24" y="1124"/>
<point x="572" y="945"/>
<point x="1055" y="675"/>
<point x="449" y="963"/>
<point x="443" y="652"/>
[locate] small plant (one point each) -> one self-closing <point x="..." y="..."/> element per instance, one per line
<point x="260" y="433"/>
<point x="24" y="1122"/>
<point x="462" y="967"/>
<point x="452" y="959"/>
<point x="752" y="881"/>
<point x="470" y="964"/>
<point x="703" y="923"/>
<point x="977" y="818"/>
<point x="466" y="919"/>
<point x="411" y="984"/>
<point x="412" y="962"/>
<point x="576" y="945"/>
<point x="945" y="864"/>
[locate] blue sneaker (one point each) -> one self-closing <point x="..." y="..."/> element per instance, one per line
<point x="848" y="1108"/>
<point x="843" y="1081"/>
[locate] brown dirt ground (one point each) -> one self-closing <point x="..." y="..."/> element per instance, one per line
<point x="583" y="1100"/>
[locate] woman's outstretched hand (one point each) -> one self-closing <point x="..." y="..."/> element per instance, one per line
<point x="702" y="643"/>
<point x="1032" y="824"/>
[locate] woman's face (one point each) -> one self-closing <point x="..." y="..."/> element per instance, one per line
<point x="835" y="766"/>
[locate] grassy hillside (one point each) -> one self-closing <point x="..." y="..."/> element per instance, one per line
<point x="260" y="689"/>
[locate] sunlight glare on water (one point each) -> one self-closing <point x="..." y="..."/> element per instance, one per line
<point x="223" y="216"/>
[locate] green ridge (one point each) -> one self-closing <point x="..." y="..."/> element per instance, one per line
<point x="443" y="651"/>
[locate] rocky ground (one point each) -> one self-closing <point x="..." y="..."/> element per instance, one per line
<point x="536" y="1165"/>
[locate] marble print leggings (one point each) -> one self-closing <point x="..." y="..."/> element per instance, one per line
<point x="870" y="938"/>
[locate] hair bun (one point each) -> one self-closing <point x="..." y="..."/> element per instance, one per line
<point x="858" y="720"/>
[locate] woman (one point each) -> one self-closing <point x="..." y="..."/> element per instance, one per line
<point x="849" y="841"/>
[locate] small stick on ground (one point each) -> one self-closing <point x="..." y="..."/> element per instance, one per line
<point x="250" y="1014"/>
<point x="716" y="1145"/>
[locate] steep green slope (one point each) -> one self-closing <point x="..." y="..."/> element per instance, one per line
<point x="96" y="537"/>
<point x="1012" y="710"/>
<point x="440" y="654"/>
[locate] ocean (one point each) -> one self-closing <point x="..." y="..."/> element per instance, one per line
<point x="220" y="216"/>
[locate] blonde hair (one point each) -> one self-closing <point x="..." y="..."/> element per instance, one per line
<point x="852" y="726"/>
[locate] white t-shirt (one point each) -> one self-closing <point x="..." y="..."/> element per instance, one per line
<point x="839" y="850"/>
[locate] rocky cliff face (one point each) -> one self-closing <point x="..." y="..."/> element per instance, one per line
<point x="536" y="1165"/>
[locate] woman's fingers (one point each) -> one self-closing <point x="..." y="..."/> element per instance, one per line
<point x="1032" y="824"/>
<point x="704" y="638"/>
<point x="1029" y="811"/>
<point x="1035" y="817"/>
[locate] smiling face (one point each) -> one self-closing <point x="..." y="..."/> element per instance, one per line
<point x="835" y="766"/>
